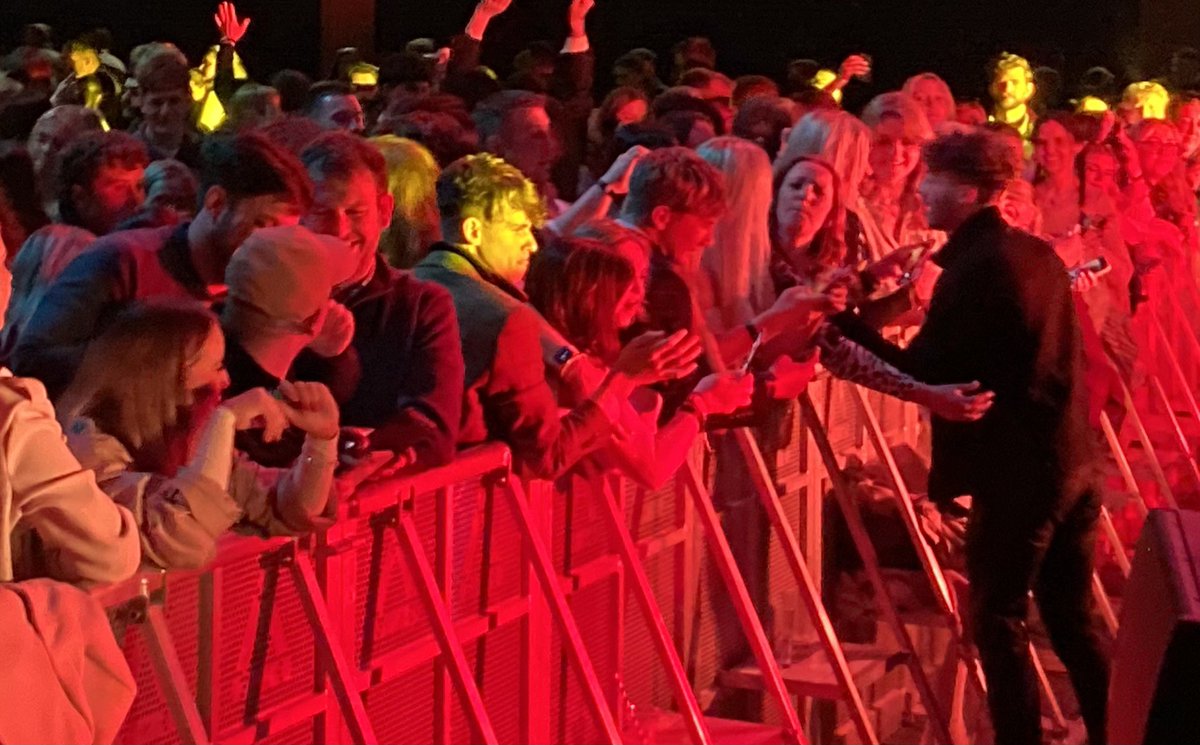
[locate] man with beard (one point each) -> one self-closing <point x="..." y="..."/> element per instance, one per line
<point x="1012" y="91"/>
<point x="247" y="183"/>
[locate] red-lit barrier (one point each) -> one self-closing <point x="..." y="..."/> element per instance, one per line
<point x="461" y="605"/>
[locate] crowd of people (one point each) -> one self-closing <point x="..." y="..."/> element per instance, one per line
<point x="225" y="290"/>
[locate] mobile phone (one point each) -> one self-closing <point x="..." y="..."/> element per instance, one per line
<point x="1098" y="266"/>
<point x="758" y="340"/>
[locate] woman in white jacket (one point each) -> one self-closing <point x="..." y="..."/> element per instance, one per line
<point x="54" y="520"/>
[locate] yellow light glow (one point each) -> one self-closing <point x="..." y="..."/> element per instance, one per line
<point x="1149" y="98"/>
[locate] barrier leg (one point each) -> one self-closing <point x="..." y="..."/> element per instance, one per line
<point x="929" y="562"/>
<point x="660" y="635"/>
<point x="866" y="551"/>
<point x="330" y="653"/>
<point x="543" y="568"/>
<point x="808" y="589"/>
<point x="169" y="674"/>
<point x="756" y="635"/>
<point x="1127" y="477"/>
<point x="443" y="625"/>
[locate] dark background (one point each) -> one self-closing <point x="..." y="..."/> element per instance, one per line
<point x="952" y="37"/>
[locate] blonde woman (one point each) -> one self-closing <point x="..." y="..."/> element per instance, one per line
<point x="412" y="180"/>
<point x="736" y="265"/>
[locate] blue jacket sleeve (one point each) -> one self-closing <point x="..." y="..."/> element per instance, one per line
<point x="79" y="303"/>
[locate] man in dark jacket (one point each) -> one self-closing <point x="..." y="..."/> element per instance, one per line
<point x="488" y="211"/>
<point x="1002" y="314"/>
<point x="247" y="183"/>
<point x="405" y="330"/>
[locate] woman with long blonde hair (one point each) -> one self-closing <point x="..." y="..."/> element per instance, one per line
<point x="736" y="265"/>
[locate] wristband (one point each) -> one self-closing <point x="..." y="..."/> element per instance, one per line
<point x="695" y="404"/>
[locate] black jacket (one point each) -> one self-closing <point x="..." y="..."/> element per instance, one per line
<point x="411" y="386"/>
<point x="1002" y="314"/>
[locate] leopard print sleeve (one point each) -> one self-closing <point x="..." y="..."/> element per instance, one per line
<point x="849" y="361"/>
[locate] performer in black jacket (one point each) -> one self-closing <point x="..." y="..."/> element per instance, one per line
<point x="1002" y="314"/>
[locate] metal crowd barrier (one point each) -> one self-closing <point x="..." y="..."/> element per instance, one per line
<point x="463" y="605"/>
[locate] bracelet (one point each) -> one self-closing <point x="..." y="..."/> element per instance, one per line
<point x="693" y="406"/>
<point x="606" y="188"/>
<point x="689" y="408"/>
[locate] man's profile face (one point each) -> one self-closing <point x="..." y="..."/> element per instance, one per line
<point x="527" y="140"/>
<point x="1188" y="123"/>
<point x="342" y="112"/>
<point x="684" y="236"/>
<point x="1012" y="86"/>
<point x="507" y="243"/>
<point x="116" y="193"/>
<point x="238" y="219"/>
<point x="944" y="198"/>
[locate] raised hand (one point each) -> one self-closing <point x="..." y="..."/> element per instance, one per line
<point x="724" y="393"/>
<point x="854" y="66"/>
<point x="336" y="332"/>
<point x="577" y="13"/>
<point x="618" y="175"/>
<point x="1084" y="281"/>
<point x="228" y="24"/>
<point x="492" y="8"/>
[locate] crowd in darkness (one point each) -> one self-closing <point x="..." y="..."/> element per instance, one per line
<point x="229" y="285"/>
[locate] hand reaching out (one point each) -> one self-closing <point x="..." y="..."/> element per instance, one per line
<point x="654" y="356"/>
<point x="789" y="378"/>
<point x="228" y="24"/>
<point x="724" y="393"/>
<point x="957" y="402"/>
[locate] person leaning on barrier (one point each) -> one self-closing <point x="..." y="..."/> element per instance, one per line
<point x="145" y="415"/>
<point x="489" y="210"/>
<point x="405" y="331"/>
<point x="56" y="521"/>
<point x="591" y="293"/>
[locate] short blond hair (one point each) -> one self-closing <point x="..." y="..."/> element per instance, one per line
<point x="477" y="185"/>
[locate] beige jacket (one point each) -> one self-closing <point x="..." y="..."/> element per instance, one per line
<point x="180" y="518"/>
<point x="54" y="520"/>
